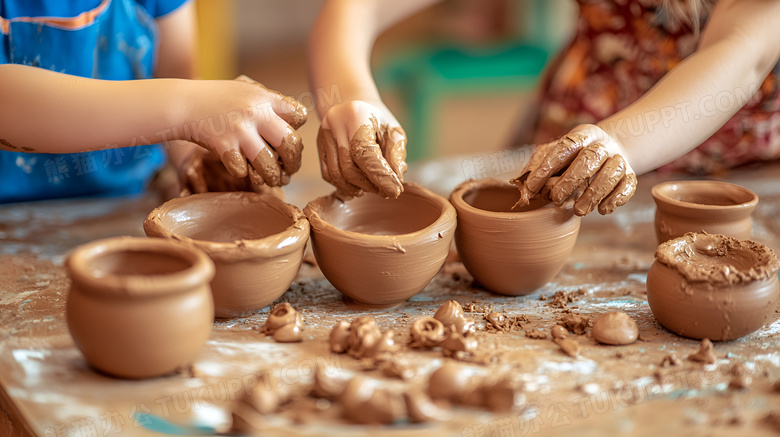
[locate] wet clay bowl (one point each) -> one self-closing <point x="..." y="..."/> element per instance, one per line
<point x="139" y="307"/>
<point x="713" y="286"/>
<point x="380" y="251"/>
<point x="256" y="242"/>
<point x="710" y="206"/>
<point x="511" y="252"/>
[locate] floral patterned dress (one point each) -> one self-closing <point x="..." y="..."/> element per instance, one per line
<point x="620" y="49"/>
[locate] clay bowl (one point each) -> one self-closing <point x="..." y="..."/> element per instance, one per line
<point x="713" y="286"/>
<point x="710" y="206"/>
<point x="139" y="307"/>
<point x="380" y="251"/>
<point x="256" y="242"/>
<point x="511" y="252"/>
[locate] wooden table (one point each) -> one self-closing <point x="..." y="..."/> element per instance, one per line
<point x="48" y="390"/>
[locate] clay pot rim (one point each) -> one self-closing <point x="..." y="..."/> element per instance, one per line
<point x="660" y="190"/>
<point x="474" y="184"/>
<point x="280" y="244"/>
<point x="201" y="269"/>
<point x="447" y="215"/>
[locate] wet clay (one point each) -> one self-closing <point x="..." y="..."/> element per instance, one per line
<point x="368" y="156"/>
<point x="235" y="163"/>
<point x="139" y="307"/>
<point x="362" y="339"/>
<point x="458" y="385"/>
<point x="256" y="241"/>
<point x="426" y="333"/>
<point x="568" y="346"/>
<point x="601" y="186"/>
<point x="511" y="252"/>
<point x="575" y="323"/>
<point x="284" y="324"/>
<point x="381" y="251"/>
<point x="366" y="403"/>
<point x="614" y="327"/>
<point x="705" y="354"/>
<point x="450" y="314"/>
<point x="695" y="206"/>
<point x="713" y="286"/>
<point x="456" y="345"/>
<point x="254" y="403"/>
<point x="559" y="332"/>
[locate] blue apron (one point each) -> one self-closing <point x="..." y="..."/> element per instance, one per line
<point x="115" y="41"/>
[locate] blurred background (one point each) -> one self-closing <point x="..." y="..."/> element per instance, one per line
<point x="459" y="76"/>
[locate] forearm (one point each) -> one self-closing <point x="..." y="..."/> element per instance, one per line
<point x="341" y="41"/>
<point x="56" y="113"/>
<point x="698" y="96"/>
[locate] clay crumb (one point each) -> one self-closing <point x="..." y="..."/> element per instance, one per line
<point x="562" y="298"/>
<point x="568" y="346"/>
<point x="705" y="354"/>
<point x="670" y="360"/>
<point x="472" y="307"/>
<point x="575" y="323"/>
<point x="536" y="334"/>
<point x="542" y="297"/>
<point x="284" y="324"/>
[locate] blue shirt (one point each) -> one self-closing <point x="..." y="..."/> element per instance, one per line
<point x="104" y="39"/>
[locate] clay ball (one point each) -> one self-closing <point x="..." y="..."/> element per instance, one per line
<point x="449" y="382"/>
<point x="615" y="328"/>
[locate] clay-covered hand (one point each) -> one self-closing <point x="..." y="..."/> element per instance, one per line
<point x="586" y="158"/>
<point x="362" y="147"/>
<point x="251" y="128"/>
<point x="202" y="171"/>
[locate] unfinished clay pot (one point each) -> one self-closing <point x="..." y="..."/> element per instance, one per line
<point x="256" y="242"/>
<point x="713" y="286"/>
<point x="139" y="307"/>
<point x="509" y="251"/>
<point x="381" y="251"/>
<point x="695" y="206"/>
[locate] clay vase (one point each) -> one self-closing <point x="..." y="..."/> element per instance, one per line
<point x="710" y="206"/>
<point x="139" y="307"/>
<point x="713" y="286"/>
<point x="511" y="252"/>
<point x="255" y="240"/>
<point x="380" y="251"/>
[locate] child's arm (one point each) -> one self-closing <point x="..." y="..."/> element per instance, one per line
<point x="738" y="49"/>
<point x="339" y="52"/>
<point x="49" y="112"/>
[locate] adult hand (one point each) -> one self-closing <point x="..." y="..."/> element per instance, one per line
<point x="586" y="157"/>
<point x="362" y="147"/>
<point x="251" y="128"/>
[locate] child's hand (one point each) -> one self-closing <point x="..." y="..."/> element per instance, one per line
<point x="243" y="122"/>
<point x="202" y="171"/>
<point x="587" y="157"/>
<point x="362" y="147"/>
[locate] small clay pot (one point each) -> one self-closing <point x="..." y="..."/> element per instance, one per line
<point x="695" y="206"/>
<point x="139" y="307"/>
<point x="510" y="251"/>
<point x="381" y="251"/>
<point x="256" y="242"/>
<point x="713" y="286"/>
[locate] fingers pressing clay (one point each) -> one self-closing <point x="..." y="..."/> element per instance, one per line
<point x="289" y="109"/>
<point x="329" y="163"/>
<point x="394" y="147"/>
<point x="351" y="172"/>
<point x="368" y="156"/>
<point x="603" y="183"/>
<point x="234" y="162"/>
<point x="266" y="162"/>
<point x="286" y="142"/>
<point x="560" y="156"/>
<point x="620" y="195"/>
<point x="587" y="163"/>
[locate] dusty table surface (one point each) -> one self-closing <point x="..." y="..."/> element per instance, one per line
<point x="48" y="389"/>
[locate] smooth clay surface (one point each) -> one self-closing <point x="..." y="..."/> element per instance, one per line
<point x="713" y="286"/>
<point x="256" y="242"/>
<point x="139" y="307"/>
<point x="381" y="251"/>
<point x="509" y="251"/>
<point x="702" y="206"/>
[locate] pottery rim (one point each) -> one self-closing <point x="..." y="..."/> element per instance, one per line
<point x="660" y="193"/>
<point x="458" y="194"/>
<point x="446" y="214"/>
<point x="200" y="269"/>
<point x="290" y="240"/>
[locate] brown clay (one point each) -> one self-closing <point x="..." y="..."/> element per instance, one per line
<point x="670" y="360"/>
<point x="339" y="337"/>
<point x="511" y="252"/>
<point x="255" y="240"/>
<point x="427" y="332"/>
<point x="420" y="409"/>
<point x="575" y="323"/>
<point x="713" y="286"/>
<point x="451" y="315"/>
<point x="569" y="346"/>
<point x="139" y="307"/>
<point x="365" y="403"/>
<point x="381" y="251"/>
<point x="614" y="327"/>
<point x="456" y="344"/>
<point x="705" y="354"/>
<point x="695" y="206"/>
<point x="558" y="332"/>
<point x="284" y="324"/>
<point x="450" y="382"/>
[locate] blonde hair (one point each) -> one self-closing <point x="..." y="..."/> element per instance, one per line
<point x="688" y="12"/>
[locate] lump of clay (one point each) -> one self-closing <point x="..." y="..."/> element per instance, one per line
<point x="458" y="385"/>
<point x="284" y="324"/>
<point x="450" y="382"/>
<point x="420" y="409"/>
<point x="326" y="386"/>
<point x="558" y="332"/>
<point x="569" y="346"/>
<point x="364" y="403"/>
<point x="427" y="332"/>
<point x="705" y="354"/>
<point x="249" y="408"/>
<point x="451" y="314"/>
<point x="615" y="327"/>
<point x="575" y="323"/>
<point x="339" y="337"/>
<point x="456" y="344"/>
<point x="364" y="334"/>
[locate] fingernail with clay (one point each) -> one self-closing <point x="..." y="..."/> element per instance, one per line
<point x="234" y="163"/>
